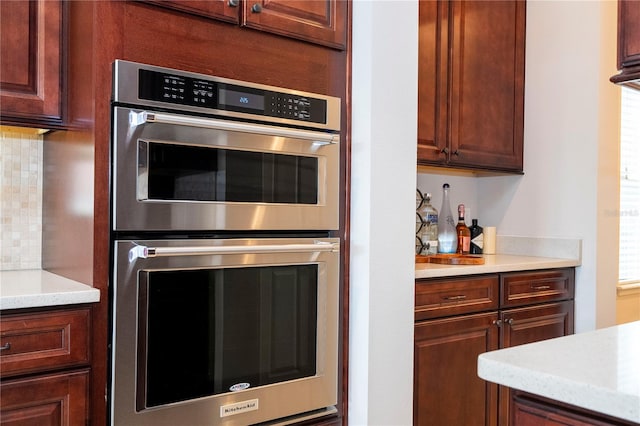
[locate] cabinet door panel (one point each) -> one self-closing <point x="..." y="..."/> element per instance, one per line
<point x="56" y="400"/>
<point x="218" y="9"/>
<point x="487" y="84"/>
<point x="447" y="389"/>
<point x="320" y="21"/>
<point x="44" y="341"/>
<point x="528" y="325"/>
<point x="628" y="33"/>
<point x="30" y="69"/>
<point x="432" y="80"/>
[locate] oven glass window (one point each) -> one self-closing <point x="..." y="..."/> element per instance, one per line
<point x="182" y="172"/>
<point x="213" y="331"/>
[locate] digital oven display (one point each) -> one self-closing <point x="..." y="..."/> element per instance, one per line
<point x="227" y="97"/>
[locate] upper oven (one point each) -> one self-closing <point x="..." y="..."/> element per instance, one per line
<point x="200" y="153"/>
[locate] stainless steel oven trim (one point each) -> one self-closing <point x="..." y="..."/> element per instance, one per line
<point x="206" y="410"/>
<point x="131" y="212"/>
<point x="125" y="90"/>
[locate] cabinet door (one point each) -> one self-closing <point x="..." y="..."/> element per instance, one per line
<point x="628" y="33"/>
<point x="30" y="67"/>
<point x="321" y="21"/>
<point x="528" y="325"/>
<point x="56" y="399"/>
<point x="433" y="38"/>
<point x="225" y="10"/>
<point x="487" y="84"/>
<point x="447" y="389"/>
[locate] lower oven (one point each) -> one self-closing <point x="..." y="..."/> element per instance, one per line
<point x="224" y="331"/>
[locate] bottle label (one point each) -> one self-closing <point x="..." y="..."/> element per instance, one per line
<point x="431" y="218"/>
<point x="479" y="241"/>
<point x="432" y="247"/>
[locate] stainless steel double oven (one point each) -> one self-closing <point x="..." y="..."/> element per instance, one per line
<point x="225" y="285"/>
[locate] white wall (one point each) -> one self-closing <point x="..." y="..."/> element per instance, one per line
<point x="385" y="38"/>
<point x="568" y="189"/>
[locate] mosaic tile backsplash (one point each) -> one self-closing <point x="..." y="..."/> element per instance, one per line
<point x="20" y="201"/>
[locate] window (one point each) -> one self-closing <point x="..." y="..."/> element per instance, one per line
<point x="629" y="267"/>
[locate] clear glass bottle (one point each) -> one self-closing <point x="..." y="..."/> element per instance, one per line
<point x="429" y="234"/>
<point x="477" y="237"/>
<point x="463" y="232"/>
<point x="447" y="238"/>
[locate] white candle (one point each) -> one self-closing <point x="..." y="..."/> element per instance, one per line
<point x="489" y="240"/>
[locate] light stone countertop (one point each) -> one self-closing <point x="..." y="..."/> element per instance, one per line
<point x="35" y="288"/>
<point x="493" y="263"/>
<point x="515" y="253"/>
<point x="597" y="370"/>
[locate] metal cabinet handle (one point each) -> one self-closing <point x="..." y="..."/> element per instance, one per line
<point x="256" y="8"/>
<point x="445" y="150"/>
<point x="456" y="297"/>
<point x="5" y="347"/>
<point x="233" y="3"/>
<point x="509" y="321"/>
<point x="540" y="287"/>
<point x="456" y="153"/>
<point x="497" y="322"/>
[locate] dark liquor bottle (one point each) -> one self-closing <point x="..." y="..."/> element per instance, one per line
<point x="463" y="232"/>
<point x="477" y="237"/>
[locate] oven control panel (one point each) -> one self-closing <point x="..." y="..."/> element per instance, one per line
<point x="178" y="89"/>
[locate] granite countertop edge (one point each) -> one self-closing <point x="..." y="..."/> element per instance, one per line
<point x="33" y="288"/>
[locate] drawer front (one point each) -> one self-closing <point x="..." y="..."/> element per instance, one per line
<point x="440" y="298"/>
<point x="55" y="399"/>
<point x="525" y="288"/>
<point x="43" y="341"/>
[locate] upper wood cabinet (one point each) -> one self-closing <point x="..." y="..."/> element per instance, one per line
<point x="628" y="43"/>
<point x="471" y="84"/>
<point x="322" y="21"/>
<point x="30" y="66"/>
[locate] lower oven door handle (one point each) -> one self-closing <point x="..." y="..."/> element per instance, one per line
<point x="144" y="252"/>
<point x="137" y="118"/>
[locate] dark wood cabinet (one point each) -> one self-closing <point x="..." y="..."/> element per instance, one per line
<point x="31" y="63"/>
<point x="532" y="410"/>
<point x="447" y="390"/>
<point x="459" y="318"/>
<point x="55" y="400"/>
<point x="471" y="84"/>
<point x="628" y="43"/>
<point x="322" y="21"/>
<point x="44" y="360"/>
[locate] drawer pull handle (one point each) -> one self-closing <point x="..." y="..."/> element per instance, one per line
<point x="509" y="321"/>
<point x="5" y="347"/>
<point x="498" y="323"/>
<point x="458" y="297"/>
<point x="540" y="287"/>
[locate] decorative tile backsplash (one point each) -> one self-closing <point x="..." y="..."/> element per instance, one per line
<point x="20" y="201"/>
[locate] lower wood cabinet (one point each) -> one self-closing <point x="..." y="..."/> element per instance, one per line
<point x="44" y="367"/>
<point x="52" y="399"/>
<point x="459" y="318"/>
<point x="530" y="410"/>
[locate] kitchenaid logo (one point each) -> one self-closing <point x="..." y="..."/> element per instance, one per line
<point x="238" y="408"/>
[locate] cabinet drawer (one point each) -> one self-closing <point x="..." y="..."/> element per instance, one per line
<point x="56" y="399"/>
<point x="439" y="298"/>
<point x="524" y="288"/>
<point x="42" y="341"/>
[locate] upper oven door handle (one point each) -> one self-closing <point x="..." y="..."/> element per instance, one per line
<point x="137" y="118"/>
<point x="144" y="252"/>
